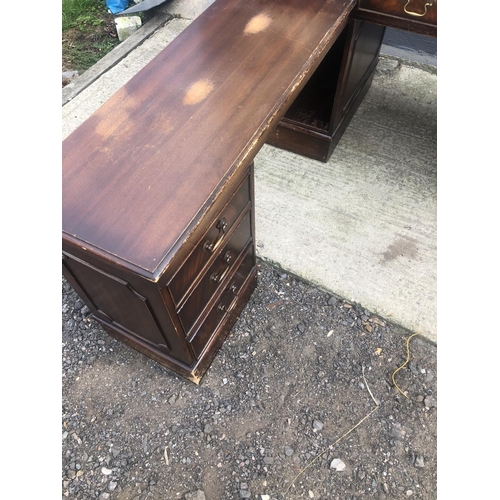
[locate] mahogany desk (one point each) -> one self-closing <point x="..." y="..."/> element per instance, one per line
<point x="158" y="205"/>
<point x="158" y="197"/>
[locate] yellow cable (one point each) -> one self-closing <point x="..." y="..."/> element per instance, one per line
<point x="404" y="364"/>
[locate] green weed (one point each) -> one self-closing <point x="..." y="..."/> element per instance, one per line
<point x="82" y="13"/>
<point x="88" y="33"/>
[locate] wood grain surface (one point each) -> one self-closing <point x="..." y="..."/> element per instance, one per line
<point x="141" y="171"/>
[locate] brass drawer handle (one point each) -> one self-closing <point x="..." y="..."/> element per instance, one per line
<point x="212" y="247"/>
<point x="416" y="14"/>
<point x="219" y="276"/>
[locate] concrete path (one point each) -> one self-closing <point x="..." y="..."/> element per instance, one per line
<point x="363" y="225"/>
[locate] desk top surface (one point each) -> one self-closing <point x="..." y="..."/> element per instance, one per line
<point x="146" y="165"/>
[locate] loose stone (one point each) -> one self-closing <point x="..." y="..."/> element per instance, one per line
<point x="318" y="425"/>
<point x="197" y="495"/>
<point x="430" y="402"/>
<point x="337" y="465"/>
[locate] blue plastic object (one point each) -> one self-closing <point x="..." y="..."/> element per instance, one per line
<point x="116" y="6"/>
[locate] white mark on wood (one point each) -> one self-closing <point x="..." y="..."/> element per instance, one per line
<point x="258" y="23"/>
<point x="198" y="92"/>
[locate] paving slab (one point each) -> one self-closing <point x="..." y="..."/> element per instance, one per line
<point x="364" y="224"/>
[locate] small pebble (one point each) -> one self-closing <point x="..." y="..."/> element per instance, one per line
<point x="196" y="495"/>
<point x="337" y="465"/>
<point x="317" y="425"/>
<point x="430" y="402"/>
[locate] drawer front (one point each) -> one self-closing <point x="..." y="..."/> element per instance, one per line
<point x="424" y="11"/>
<point x="224" y="305"/>
<point x="216" y="275"/>
<point x="209" y="245"/>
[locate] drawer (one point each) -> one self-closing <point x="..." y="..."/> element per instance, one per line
<point x="424" y="11"/>
<point x="209" y="245"/>
<point x="216" y="274"/>
<point x="224" y="305"/>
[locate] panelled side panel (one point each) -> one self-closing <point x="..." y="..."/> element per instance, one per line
<point x="113" y="300"/>
<point x="362" y="57"/>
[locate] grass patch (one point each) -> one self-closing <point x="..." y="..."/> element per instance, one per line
<point x="88" y="33"/>
<point x="82" y="13"/>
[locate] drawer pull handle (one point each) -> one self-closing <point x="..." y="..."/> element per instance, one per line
<point x="212" y="247"/>
<point x="416" y="14"/>
<point x="219" y="276"/>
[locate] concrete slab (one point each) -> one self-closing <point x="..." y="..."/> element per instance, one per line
<point x="362" y="226"/>
<point x="187" y="9"/>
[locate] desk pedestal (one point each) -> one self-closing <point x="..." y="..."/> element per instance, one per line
<point x="316" y="120"/>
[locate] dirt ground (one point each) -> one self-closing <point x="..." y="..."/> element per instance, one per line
<point x="298" y="403"/>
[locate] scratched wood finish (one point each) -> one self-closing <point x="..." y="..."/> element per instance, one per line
<point x="392" y="13"/>
<point x="139" y="173"/>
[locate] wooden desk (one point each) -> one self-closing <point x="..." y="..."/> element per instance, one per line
<point x="158" y="206"/>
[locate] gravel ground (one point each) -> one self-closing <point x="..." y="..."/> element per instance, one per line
<point x="298" y="403"/>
